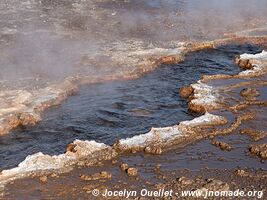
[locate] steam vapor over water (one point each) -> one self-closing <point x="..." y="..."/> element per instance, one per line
<point x="48" y="40"/>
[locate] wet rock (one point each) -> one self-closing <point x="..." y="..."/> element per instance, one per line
<point x="105" y="175"/>
<point x="169" y="59"/>
<point x="114" y="162"/>
<point x="192" y="107"/>
<point x="260" y="150"/>
<point x="222" y="145"/>
<point x="245" y="64"/>
<point x="153" y="150"/>
<point x="221" y="159"/>
<point x="140" y="112"/>
<point x="254" y="134"/>
<point x="18" y="119"/>
<point x="43" y="179"/>
<point x="157" y="168"/>
<point x="249" y="93"/>
<point x="133" y="151"/>
<point x="71" y="148"/>
<point x="186" y="91"/>
<point x="132" y="171"/>
<point x="184" y="181"/>
<point x="27" y="119"/>
<point x="124" y="166"/>
<point x="54" y="175"/>
<point x="97" y="176"/>
<point x="241" y="172"/>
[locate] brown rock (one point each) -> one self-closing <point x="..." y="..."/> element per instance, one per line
<point x="250" y="93"/>
<point x="245" y="64"/>
<point x="260" y="150"/>
<point x="97" y="176"/>
<point x="43" y="179"/>
<point x="254" y="134"/>
<point x="222" y="145"/>
<point x="114" y="162"/>
<point x="184" y="181"/>
<point x="196" y="108"/>
<point x="54" y="175"/>
<point x="124" y="166"/>
<point x="27" y="119"/>
<point x="186" y="91"/>
<point x="105" y="174"/>
<point x="153" y="150"/>
<point x="157" y="168"/>
<point x="133" y="151"/>
<point x="132" y="171"/>
<point x="241" y="172"/>
<point x="71" y="148"/>
<point x="169" y="59"/>
<point x="221" y="159"/>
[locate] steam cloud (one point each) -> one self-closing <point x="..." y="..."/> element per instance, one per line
<point x="47" y="39"/>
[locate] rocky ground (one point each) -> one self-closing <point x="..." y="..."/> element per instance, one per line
<point x="229" y="158"/>
<point x="116" y="175"/>
<point x="129" y="43"/>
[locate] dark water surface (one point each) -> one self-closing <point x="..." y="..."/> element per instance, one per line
<point x="119" y="109"/>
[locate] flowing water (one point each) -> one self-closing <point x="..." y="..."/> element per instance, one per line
<point x="119" y="109"/>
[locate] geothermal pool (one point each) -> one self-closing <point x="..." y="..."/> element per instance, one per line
<point x="119" y="109"/>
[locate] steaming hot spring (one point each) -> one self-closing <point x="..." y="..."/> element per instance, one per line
<point x="130" y="95"/>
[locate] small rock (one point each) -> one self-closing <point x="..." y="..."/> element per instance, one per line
<point x="71" y="148"/>
<point x="97" y="176"/>
<point x="54" y="175"/>
<point x="157" y="168"/>
<point x="250" y="93"/>
<point x="184" y="181"/>
<point x="241" y="172"/>
<point x="132" y="171"/>
<point x="254" y="134"/>
<point x="186" y="91"/>
<point x="192" y="107"/>
<point x="153" y="150"/>
<point x="245" y="64"/>
<point x="221" y="159"/>
<point x="105" y="175"/>
<point x="168" y="59"/>
<point x="114" y="161"/>
<point x="222" y="145"/>
<point x="133" y="151"/>
<point x="43" y="179"/>
<point x="260" y="150"/>
<point x="124" y="166"/>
